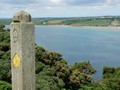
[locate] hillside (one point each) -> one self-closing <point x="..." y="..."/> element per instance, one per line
<point x="53" y="72"/>
<point x="88" y="21"/>
<point x="103" y="21"/>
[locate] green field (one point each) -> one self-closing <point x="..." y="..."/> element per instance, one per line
<point x="76" y="21"/>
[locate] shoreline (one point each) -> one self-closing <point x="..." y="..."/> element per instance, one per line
<point x="96" y="27"/>
<point x="100" y="27"/>
<point x="76" y="26"/>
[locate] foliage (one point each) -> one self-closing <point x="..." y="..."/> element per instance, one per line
<point x="5" y="74"/>
<point x="5" y="21"/>
<point x="46" y="82"/>
<point x="86" y="21"/>
<point x="111" y="78"/>
<point x="5" y="86"/>
<point x="74" y="21"/>
<point x="53" y="72"/>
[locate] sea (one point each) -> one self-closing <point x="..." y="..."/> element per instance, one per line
<point x="100" y="46"/>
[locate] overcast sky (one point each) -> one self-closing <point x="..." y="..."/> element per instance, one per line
<point x="60" y="8"/>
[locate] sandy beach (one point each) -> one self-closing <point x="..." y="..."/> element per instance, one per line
<point x="97" y="27"/>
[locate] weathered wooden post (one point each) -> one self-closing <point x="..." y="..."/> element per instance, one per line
<point x="22" y="52"/>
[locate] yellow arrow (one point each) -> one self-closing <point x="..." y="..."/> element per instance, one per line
<point x="16" y="61"/>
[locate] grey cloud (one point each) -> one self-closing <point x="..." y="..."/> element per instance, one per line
<point x="22" y="4"/>
<point x="113" y="2"/>
<point x="17" y="1"/>
<point x="42" y="3"/>
<point x="83" y="2"/>
<point x="46" y="2"/>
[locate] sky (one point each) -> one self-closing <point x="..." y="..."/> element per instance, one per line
<point x="60" y="8"/>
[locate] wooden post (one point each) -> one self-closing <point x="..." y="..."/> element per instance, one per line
<point x="22" y="52"/>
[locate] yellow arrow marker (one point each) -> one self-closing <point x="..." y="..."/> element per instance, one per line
<point x="16" y="61"/>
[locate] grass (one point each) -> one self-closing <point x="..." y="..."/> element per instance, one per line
<point x="93" y="21"/>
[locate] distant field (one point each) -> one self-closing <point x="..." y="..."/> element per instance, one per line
<point x="5" y="21"/>
<point x="93" y="22"/>
<point x="86" y="21"/>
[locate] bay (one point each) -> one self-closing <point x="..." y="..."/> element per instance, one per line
<point x="98" y="45"/>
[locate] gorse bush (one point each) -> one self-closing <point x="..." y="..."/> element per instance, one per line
<point x="5" y="86"/>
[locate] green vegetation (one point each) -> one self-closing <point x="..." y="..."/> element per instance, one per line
<point x="76" y="21"/>
<point x="87" y="21"/>
<point x="6" y="21"/>
<point x="53" y="72"/>
<point x="94" y="21"/>
<point x="83" y="21"/>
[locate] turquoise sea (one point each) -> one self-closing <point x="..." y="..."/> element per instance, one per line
<point x="100" y="46"/>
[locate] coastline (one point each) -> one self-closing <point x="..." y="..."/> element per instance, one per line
<point x="96" y="27"/>
<point x="100" y="27"/>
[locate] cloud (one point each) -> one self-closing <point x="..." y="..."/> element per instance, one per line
<point x="13" y="2"/>
<point x="56" y="1"/>
<point x="90" y="2"/>
<point x="112" y="2"/>
<point x="83" y="2"/>
<point x="53" y="3"/>
<point x="54" y="7"/>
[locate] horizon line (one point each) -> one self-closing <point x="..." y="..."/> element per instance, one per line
<point x="69" y="16"/>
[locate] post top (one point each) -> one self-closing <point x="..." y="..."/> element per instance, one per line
<point x="22" y="16"/>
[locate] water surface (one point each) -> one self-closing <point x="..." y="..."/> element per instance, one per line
<point x="101" y="47"/>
